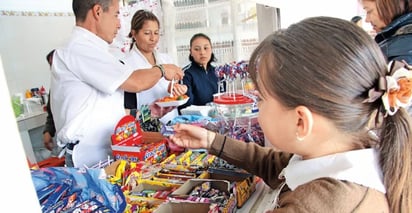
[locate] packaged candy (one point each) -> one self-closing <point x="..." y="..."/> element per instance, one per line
<point x="46" y="191"/>
<point x="91" y="205"/>
<point x="167" y="130"/>
<point x="59" y="192"/>
<point x="85" y="183"/>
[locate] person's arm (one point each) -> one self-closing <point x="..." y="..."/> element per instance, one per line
<point x="264" y="162"/>
<point x="49" y="129"/>
<point x="144" y="79"/>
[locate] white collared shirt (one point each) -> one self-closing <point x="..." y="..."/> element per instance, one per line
<point x="359" y="166"/>
<point x="136" y="59"/>
<point x="85" y="97"/>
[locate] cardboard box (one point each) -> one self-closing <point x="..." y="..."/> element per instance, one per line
<point x="148" y="186"/>
<point x="226" y="174"/>
<point x="130" y="143"/>
<point x="127" y="132"/>
<point x="161" y="191"/>
<point x="153" y="152"/>
<point x="147" y="137"/>
<point x="111" y="169"/>
<point x="244" y="183"/>
<point x="177" y="205"/>
<point x="142" y="184"/>
<point x="149" y="204"/>
<point x="159" y="184"/>
<point x="182" y="207"/>
<point x="188" y="186"/>
<point x="152" y="137"/>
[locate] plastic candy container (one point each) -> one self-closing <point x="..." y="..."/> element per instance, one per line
<point x="237" y="106"/>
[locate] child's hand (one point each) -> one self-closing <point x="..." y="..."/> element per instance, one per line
<point x="190" y="136"/>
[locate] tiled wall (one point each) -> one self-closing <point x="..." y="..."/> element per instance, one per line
<point x="25" y="40"/>
<point x="33" y="13"/>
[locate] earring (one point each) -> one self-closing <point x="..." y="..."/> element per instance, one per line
<point x="298" y="138"/>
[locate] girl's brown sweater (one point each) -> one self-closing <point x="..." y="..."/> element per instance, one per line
<point x="320" y="195"/>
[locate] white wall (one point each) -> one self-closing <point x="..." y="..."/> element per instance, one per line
<point x="24" y="45"/>
<point x="292" y="11"/>
<point x="29" y="31"/>
<point x="35" y="5"/>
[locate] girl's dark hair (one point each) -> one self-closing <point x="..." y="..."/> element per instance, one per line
<point x="389" y="10"/>
<point x="138" y="21"/>
<point x="329" y="65"/>
<point x="202" y="35"/>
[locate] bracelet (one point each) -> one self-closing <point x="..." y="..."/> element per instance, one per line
<point x="161" y="68"/>
<point x="221" y="148"/>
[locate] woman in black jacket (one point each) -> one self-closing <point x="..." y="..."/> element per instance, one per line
<point x="392" y="21"/>
<point x="200" y="76"/>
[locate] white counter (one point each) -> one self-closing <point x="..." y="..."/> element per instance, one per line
<point x="30" y="121"/>
<point x="31" y="129"/>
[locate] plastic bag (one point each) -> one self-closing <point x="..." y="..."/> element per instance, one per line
<point x="54" y="185"/>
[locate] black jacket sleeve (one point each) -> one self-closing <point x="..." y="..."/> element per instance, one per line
<point x="49" y="126"/>
<point x="130" y="100"/>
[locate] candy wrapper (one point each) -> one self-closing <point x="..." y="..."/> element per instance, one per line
<point x="60" y="188"/>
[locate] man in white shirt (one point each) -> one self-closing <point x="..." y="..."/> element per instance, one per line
<point x="88" y="83"/>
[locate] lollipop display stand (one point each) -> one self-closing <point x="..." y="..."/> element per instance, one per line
<point x="237" y="105"/>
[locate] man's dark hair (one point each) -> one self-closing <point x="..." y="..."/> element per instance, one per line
<point x="81" y="7"/>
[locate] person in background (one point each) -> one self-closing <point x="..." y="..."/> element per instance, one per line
<point x="324" y="106"/>
<point x="200" y="76"/>
<point x="49" y="129"/>
<point x="145" y="34"/>
<point x="392" y="21"/>
<point x="88" y="84"/>
<point x="357" y="20"/>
